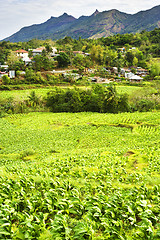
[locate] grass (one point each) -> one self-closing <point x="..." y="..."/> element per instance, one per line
<point x="128" y="89"/>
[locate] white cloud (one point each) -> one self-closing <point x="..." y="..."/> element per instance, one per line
<point x="16" y="14"/>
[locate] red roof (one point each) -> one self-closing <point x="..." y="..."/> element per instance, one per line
<point x="21" y="51"/>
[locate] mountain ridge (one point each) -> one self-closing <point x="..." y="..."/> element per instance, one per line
<point x="99" y="24"/>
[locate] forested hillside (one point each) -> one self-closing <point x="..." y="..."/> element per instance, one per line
<point x="99" y="24"/>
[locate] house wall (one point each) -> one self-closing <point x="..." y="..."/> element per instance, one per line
<point x="24" y="55"/>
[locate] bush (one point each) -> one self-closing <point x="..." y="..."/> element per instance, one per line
<point x="3" y="87"/>
<point x="144" y="105"/>
<point x="5" y="80"/>
<point x="97" y="99"/>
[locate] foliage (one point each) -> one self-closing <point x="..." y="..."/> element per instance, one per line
<point x="63" y="60"/>
<point x="97" y="99"/>
<point x="42" y="62"/>
<point x="155" y="68"/>
<point x="80" y="176"/>
<point x="5" y="80"/>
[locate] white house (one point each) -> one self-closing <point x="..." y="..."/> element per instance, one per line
<point x="131" y="76"/>
<point x="21" y="53"/>
<point x="54" y="52"/>
<point x="12" y="73"/>
<point x="27" y="60"/>
<point x="135" y="78"/>
<point x="5" y="67"/>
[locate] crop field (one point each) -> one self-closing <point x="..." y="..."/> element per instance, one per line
<point x="23" y="94"/>
<point x="128" y="89"/>
<point x="80" y="176"/>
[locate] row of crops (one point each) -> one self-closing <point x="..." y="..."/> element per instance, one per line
<point x="80" y="176"/>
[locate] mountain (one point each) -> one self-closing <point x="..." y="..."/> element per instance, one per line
<point x="99" y="24"/>
<point x="40" y="31"/>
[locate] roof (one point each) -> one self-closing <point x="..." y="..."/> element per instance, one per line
<point x="21" y="51"/>
<point x="76" y="52"/>
<point x="40" y="49"/>
<point x="135" y="77"/>
<point x="26" y="59"/>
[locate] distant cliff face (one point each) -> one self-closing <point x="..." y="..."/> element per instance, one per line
<point x="99" y="24"/>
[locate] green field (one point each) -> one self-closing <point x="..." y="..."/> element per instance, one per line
<point x="80" y="176"/>
<point x="23" y="94"/>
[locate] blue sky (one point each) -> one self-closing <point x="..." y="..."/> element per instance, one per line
<point x="15" y="14"/>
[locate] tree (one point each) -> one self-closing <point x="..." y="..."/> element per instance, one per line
<point x="155" y="69"/>
<point x="30" y="76"/>
<point x="78" y="60"/>
<point x="34" y="100"/>
<point x="63" y="60"/>
<point x="129" y="57"/>
<point x="135" y="61"/>
<point x="5" y="80"/>
<point x="42" y="63"/>
<point x="110" y="57"/>
<point x="97" y="54"/>
<point x="37" y="62"/>
<point x="48" y="48"/>
<point x="12" y="58"/>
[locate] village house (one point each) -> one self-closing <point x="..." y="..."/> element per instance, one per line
<point x="5" y="67"/>
<point x="132" y="77"/>
<point x="141" y="72"/>
<point x="99" y="80"/>
<point x="78" y="52"/>
<point x="54" y="52"/>
<point x="3" y="73"/>
<point x="38" y="51"/>
<point x="21" y="53"/>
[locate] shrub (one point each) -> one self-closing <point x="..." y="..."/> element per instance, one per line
<point x="144" y="105"/>
<point x="5" y="80"/>
<point x="98" y="99"/>
<point x="3" y="87"/>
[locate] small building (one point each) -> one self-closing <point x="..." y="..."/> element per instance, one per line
<point x="132" y="77"/>
<point x="12" y="73"/>
<point x="125" y="71"/>
<point x="38" y="51"/>
<point x="54" y="52"/>
<point x="5" y="67"/>
<point x="21" y="53"/>
<point x="78" y="52"/>
<point x="135" y="78"/>
<point x="115" y="69"/>
<point x="27" y="60"/>
<point x="99" y="80"/>
<point x="141" y="72"/>
<point x="132" y="48"/>
<point x="3" y="73"/>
